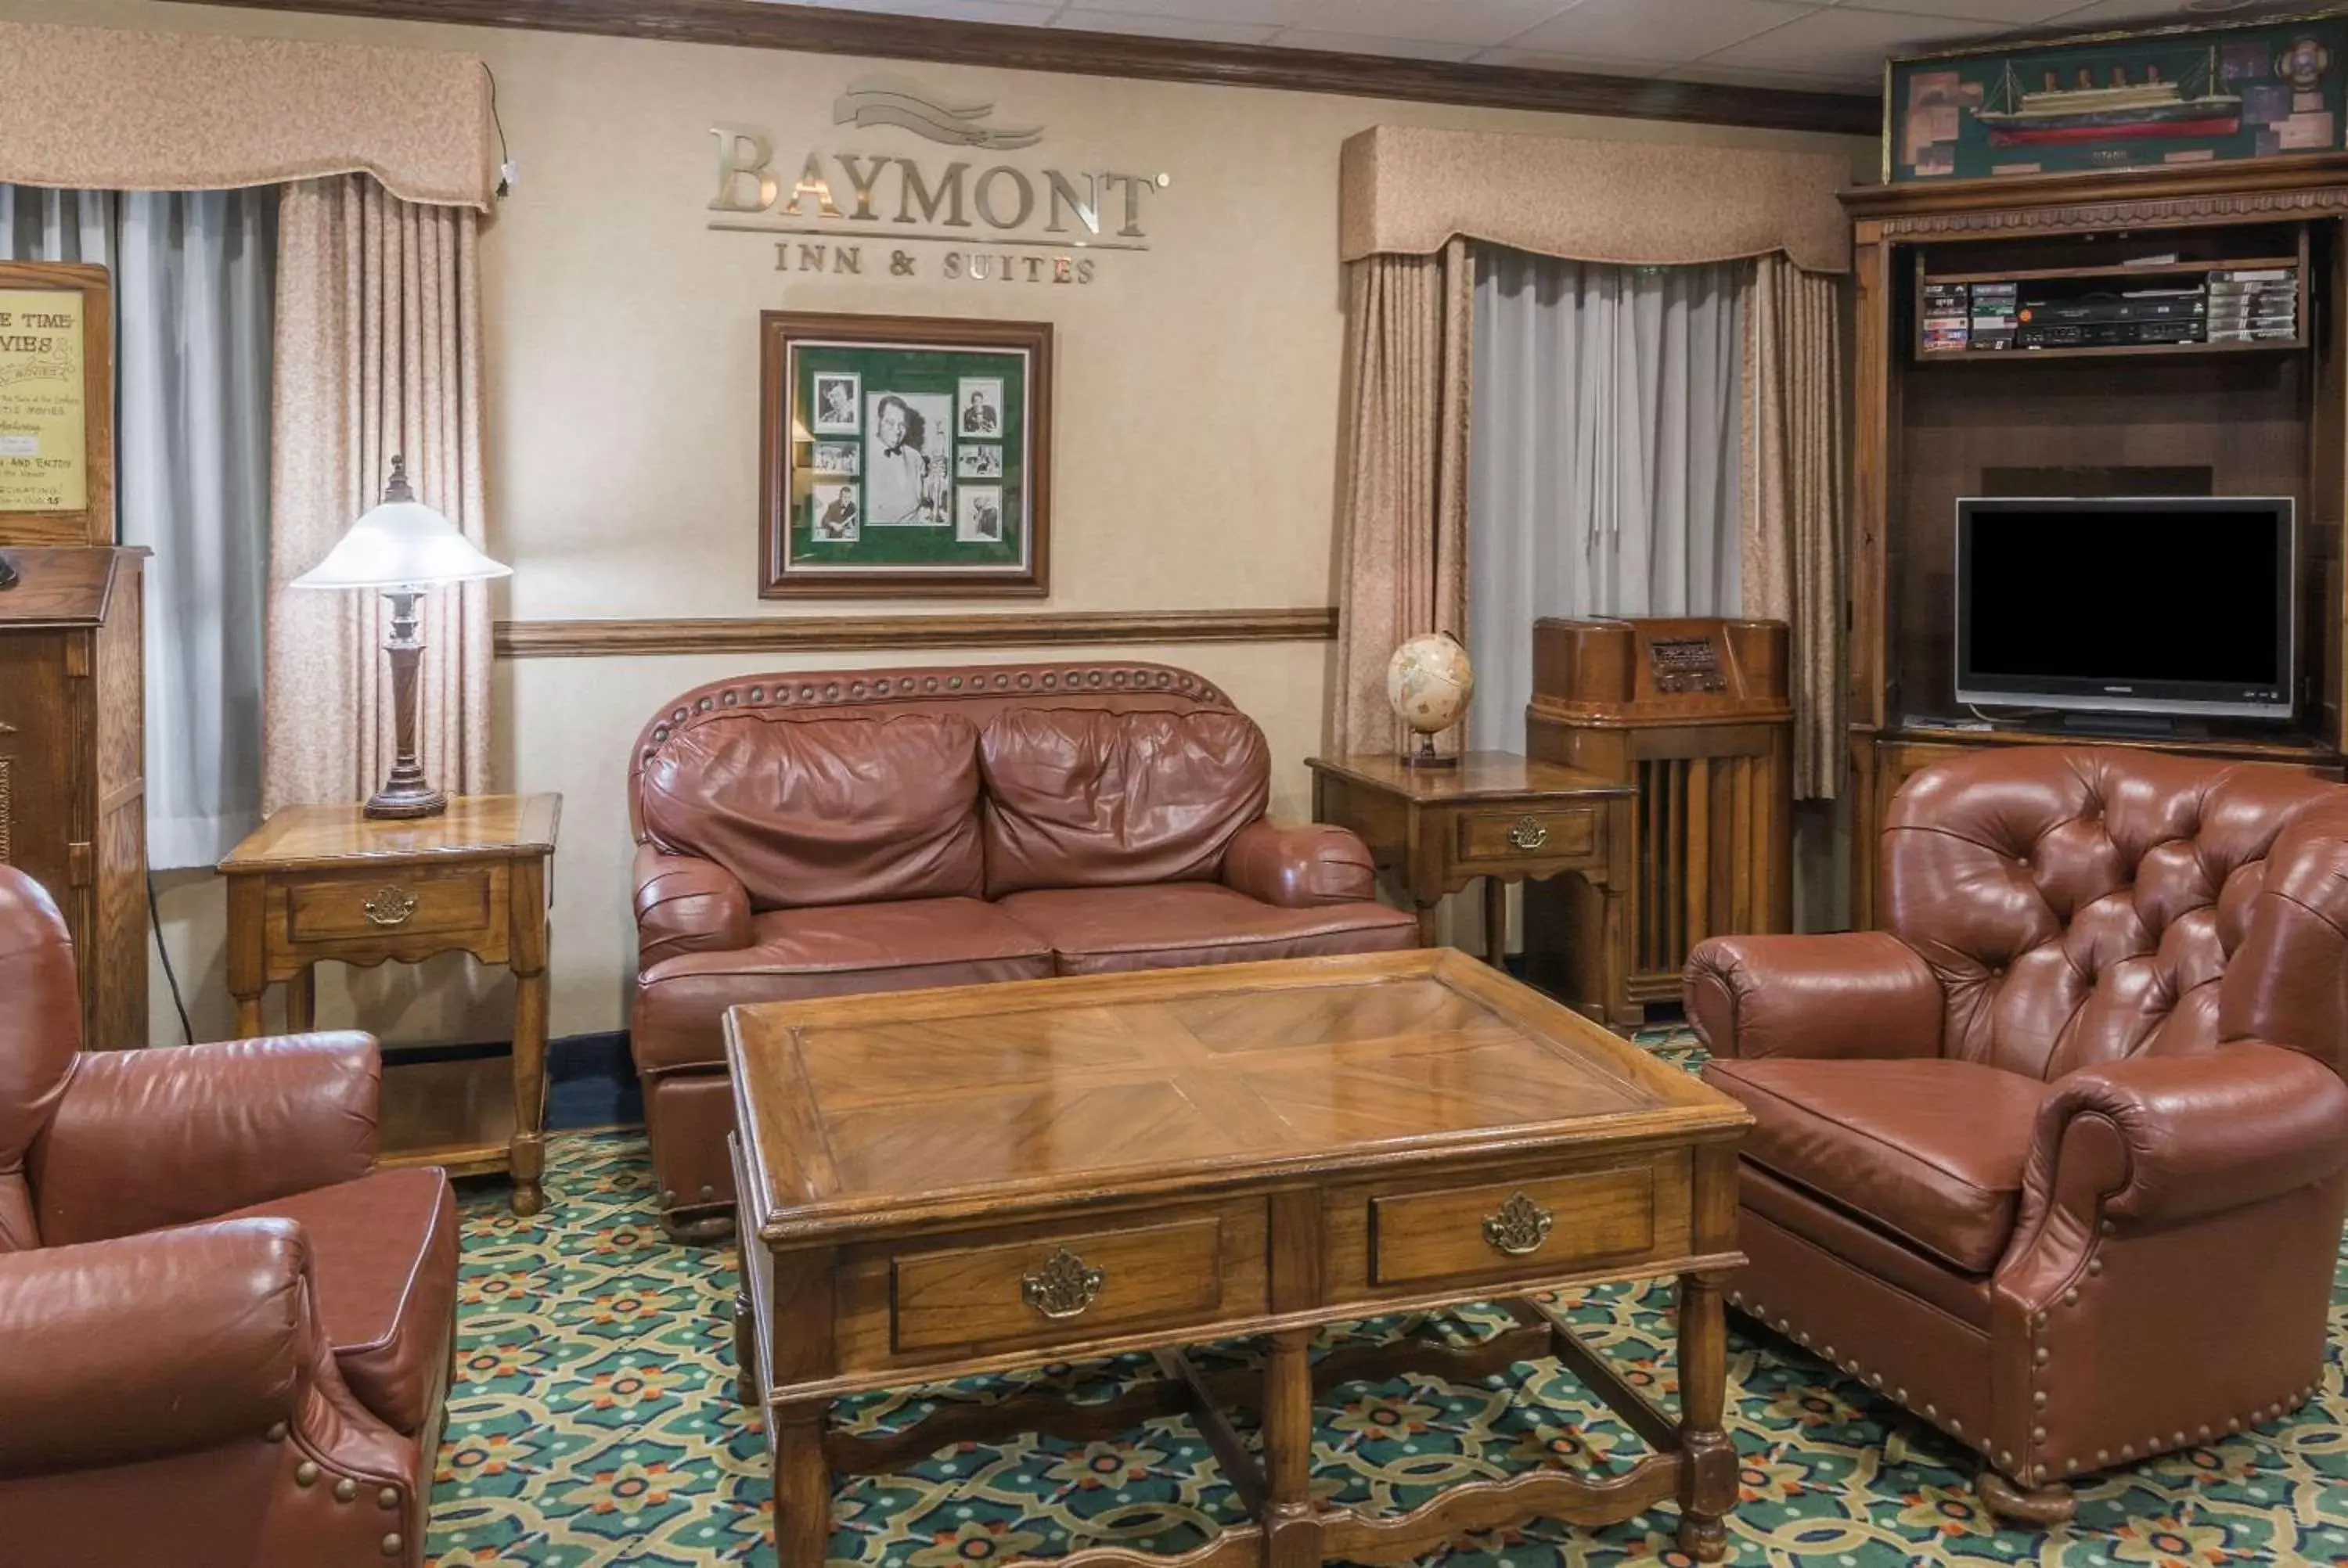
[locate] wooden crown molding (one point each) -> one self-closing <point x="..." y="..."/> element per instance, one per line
<point x="815" y="30"/>
<point x="842" y="633"/>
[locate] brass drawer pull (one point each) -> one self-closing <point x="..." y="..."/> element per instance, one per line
<point x="390" y="906"/>
<point x="1528" y="834"/>
<point x="1064" y="1288"/>
<point x="1519" y="1227"/>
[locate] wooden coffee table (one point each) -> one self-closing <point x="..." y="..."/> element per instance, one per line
<point x="947" y="1183"/>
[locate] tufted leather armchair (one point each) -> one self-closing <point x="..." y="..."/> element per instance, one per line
<point x="2056" y="1161"/>
<point x="224" y="1337"/>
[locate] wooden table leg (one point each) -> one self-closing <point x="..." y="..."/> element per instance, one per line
<point x="1425" y="923"/>
<point x="802" y="1488"/>
<point x="302" y="1000"/>
<point x="1292" y="1531"/>
<point x="527" y="1151"/>
<point x="1708" y="1475"/>
<point x="746" y="1350"/>
<point x="247" y="962"/>
<point x="1496" y="922"/>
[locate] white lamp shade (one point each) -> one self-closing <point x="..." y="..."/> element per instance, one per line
<point x="401" y="544"/>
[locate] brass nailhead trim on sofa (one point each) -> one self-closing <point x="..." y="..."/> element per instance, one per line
<point x="305" y="1473"/>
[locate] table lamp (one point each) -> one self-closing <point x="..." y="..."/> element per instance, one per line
<point x="402" y="548"/>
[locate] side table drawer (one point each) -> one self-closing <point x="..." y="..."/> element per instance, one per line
<point x="1145" y="1271"/>
<point x="1504" y="838"/>
<point x="1428" y="1238"/>
<point x="393" y="903"/>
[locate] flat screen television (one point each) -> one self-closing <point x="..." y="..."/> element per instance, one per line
<point x="2120" y="604"/>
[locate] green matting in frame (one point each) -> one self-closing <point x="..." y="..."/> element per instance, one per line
<point x="904" y="456"/>
<point x="2270" y="87"/>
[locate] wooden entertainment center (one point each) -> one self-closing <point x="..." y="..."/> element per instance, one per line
<point x="1934" y="422"/>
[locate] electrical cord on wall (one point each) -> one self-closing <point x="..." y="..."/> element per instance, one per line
<point x="155" y="924"/>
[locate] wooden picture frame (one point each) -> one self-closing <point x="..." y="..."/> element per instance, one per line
<point x="56" y="403"/>
<point x="903" y="456"/>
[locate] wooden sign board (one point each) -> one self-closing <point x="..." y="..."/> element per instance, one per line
<point x="57" y="404"/>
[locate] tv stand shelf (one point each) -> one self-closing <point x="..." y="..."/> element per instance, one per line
<point x="2233" y="419"/>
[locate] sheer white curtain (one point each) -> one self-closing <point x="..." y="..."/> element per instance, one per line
<point x="1602" y="473"/>
<point x="194" y="279"/>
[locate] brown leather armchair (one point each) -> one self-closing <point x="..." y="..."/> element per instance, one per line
<point x="224" y="1337"/>
<point x="2056" y="1161"/>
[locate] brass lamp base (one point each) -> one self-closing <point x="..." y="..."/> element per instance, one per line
<point x="406" y="792"/>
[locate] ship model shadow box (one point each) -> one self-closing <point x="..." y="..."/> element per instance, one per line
<point x="2269" y="88"/>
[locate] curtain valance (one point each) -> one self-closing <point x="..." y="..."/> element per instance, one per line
<point x="103" y="108"/>
<point x="1406" y="191"/>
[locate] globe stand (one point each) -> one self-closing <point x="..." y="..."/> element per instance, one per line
<point x="1425" y="757"/>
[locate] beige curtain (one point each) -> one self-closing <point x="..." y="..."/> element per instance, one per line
<point x="378" y="354"/>
<point x="1401" y="524"/>
<point x="1795" y="500"/>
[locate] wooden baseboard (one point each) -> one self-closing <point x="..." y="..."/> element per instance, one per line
<point x="843" y="633"/>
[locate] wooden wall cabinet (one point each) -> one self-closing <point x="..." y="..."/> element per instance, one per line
<point x="73" y="785"/>
<point x="1695" y="715"/>
<point x="2223" y="419"/>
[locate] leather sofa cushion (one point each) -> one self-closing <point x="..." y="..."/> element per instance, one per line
<point x="1104" y="930"/>
<point x="820" y="811"/>
<point x="1086" y="798"/>
<point x="382" y="1251"/>
<point x="681" y="1002"/>
<point x="1929" y="1150"/>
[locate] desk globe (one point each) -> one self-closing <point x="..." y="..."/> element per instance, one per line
<point x="1429" y="683"/>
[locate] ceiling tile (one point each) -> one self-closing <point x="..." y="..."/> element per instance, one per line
<point x="1646" y="30"/>
<point x="1552" y="60"/>
<point x="2010" y="13"/>
<point x="1480" y="23"/>
<point x="1234" y="13"/>
<point x="1355" y="44"/>
<point x="2105" y="13"/>
<point x="1842" y="42"/>
<point x="1187" y="27"/>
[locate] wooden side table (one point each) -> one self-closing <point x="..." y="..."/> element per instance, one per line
<point x="1496" y="815"/>
<point x="325" y="882"/>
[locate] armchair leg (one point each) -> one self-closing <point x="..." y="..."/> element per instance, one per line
<point x="2037" y="1507"/>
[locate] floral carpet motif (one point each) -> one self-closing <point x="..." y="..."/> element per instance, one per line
<point x="593" y="1422"/>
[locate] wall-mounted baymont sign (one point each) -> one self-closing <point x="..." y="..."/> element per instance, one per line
<point x="852" y="210"/>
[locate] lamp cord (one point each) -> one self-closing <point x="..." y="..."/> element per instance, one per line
<point x="155" y="924"/>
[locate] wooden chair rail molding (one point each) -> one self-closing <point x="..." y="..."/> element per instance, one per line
<point x="837" y="633"/>
<point x="815" y="30"/>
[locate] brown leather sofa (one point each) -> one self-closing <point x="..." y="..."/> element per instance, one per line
<point x="224" y="1337"/>
<point x="2057" y="1160"/>
<point x="878" y="830"/>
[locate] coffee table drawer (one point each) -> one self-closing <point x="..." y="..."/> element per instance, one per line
<point x="402" y="902"/>
<point x="1511" y="1228"/>
<point x="1149" y="1273"/>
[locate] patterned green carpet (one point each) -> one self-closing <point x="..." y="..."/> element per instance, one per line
<point x="593" y="1423"/>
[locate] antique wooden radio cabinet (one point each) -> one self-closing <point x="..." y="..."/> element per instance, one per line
<point x="73" y="791"/>
<point x="1696" y="714"/>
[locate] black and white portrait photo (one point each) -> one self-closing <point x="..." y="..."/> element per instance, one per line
<point x="978" y="514"/>
<point x="908" y="476"/>
<point x="836" y="518"/>
<point x="979" y="400"/>
<point x="978" y="461"/>
<point x="836" y="394"/>
<point x="835" y="457"/>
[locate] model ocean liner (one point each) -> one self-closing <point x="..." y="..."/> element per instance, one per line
<point x="2085" y="112"/>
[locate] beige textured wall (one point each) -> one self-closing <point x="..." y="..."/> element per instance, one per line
<point x="1196" y="417"/>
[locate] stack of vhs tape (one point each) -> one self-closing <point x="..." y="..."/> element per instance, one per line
<point x="1996" y="308"/>
<point x="2254" y="304"/>
<point x="1948" y="316"/>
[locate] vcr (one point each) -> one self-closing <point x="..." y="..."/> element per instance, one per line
<point x="2105" y="334"/>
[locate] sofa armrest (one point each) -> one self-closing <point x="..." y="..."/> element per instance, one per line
<point x="143" y="1139"/>
<point x="686" y="905"/>
<point x="1853" y="993"/>
<point x="112" y="1352"/>
<point x="2168" y="1138"/>
<point x="1299" y="865"/>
